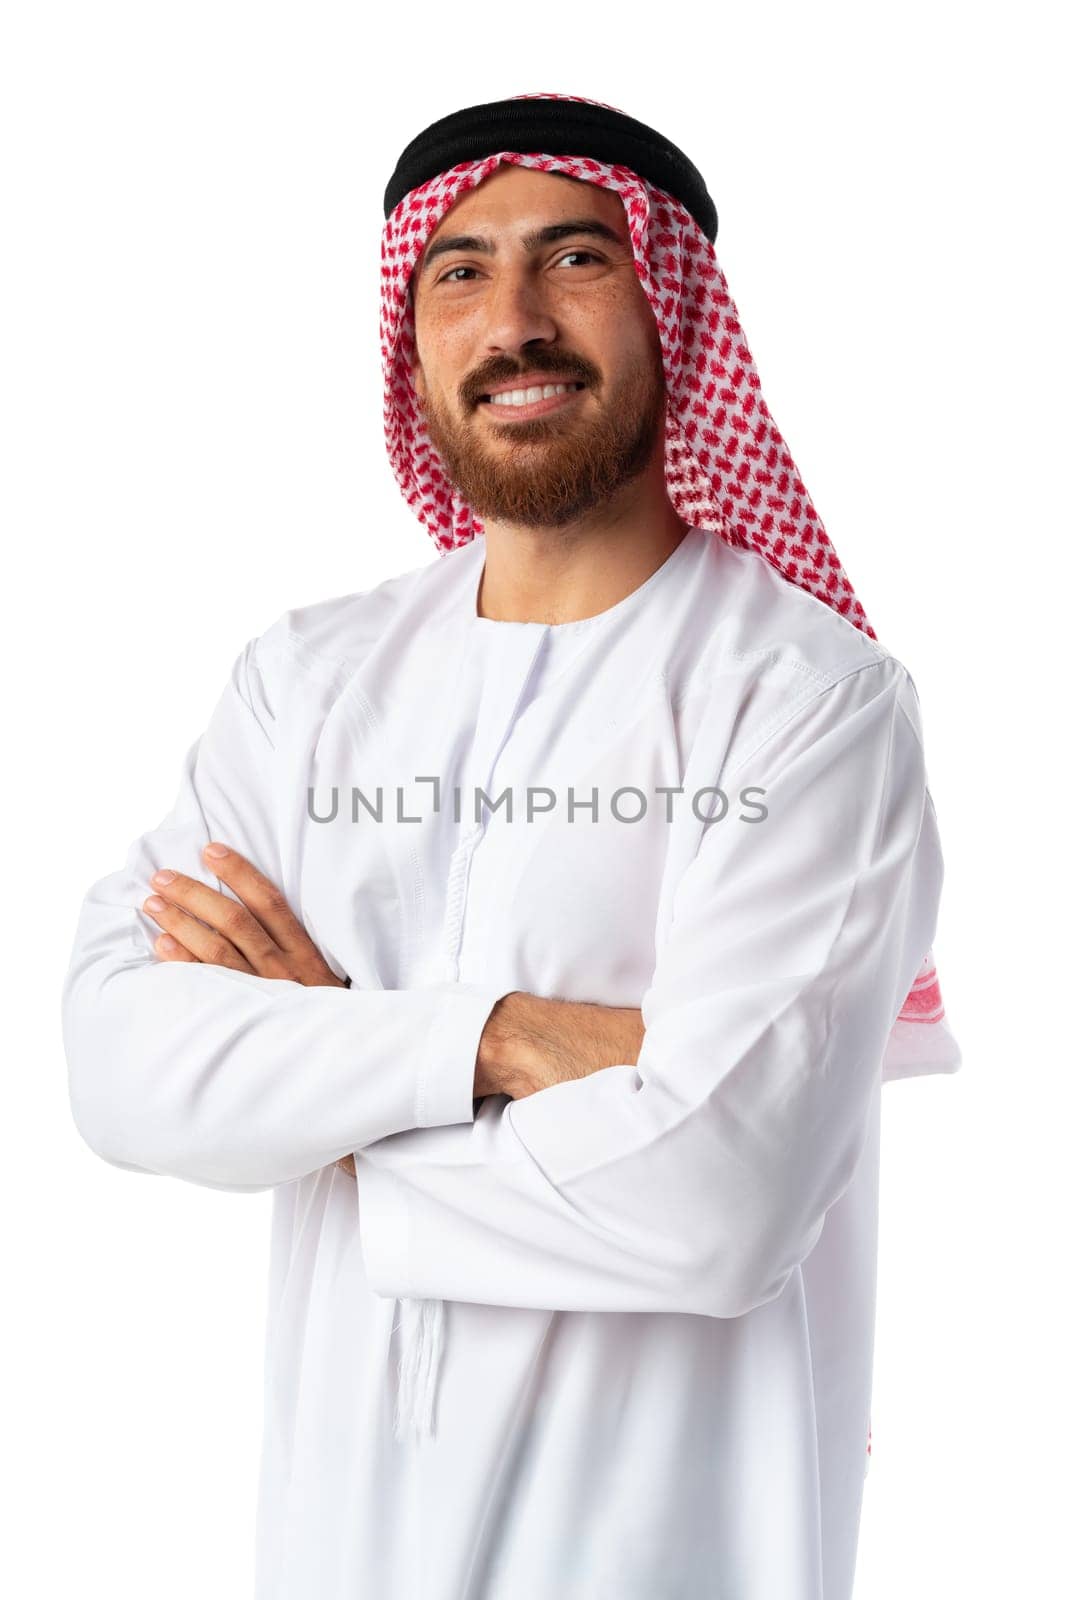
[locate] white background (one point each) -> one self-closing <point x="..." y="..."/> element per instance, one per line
<point x="191" y="205"/>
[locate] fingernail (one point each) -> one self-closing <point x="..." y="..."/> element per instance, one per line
<point x="164" y="876"/>
<point x="154" y="903"/>
<point x="165" y="942"/>
<point x="216" y="850"/>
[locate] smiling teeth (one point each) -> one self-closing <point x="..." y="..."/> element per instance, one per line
<point x="529" y="397"/>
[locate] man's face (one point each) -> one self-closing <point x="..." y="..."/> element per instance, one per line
<point x="569" y="307"/>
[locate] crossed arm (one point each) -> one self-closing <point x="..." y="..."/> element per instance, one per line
<point x="527" y="1043"/>
<point x="697" y="1176"/>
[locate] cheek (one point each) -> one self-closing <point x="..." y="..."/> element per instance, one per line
<point x="444" y="350"/>
<point x="619" y="330"/>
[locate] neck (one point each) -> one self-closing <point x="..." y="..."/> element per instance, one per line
<point x="567" y="574"/>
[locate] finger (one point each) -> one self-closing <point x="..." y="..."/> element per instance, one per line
<point x="301" y="958"/>
<point x="168" y="949"/>
<point x="265" y="899"/>
<point x="202" y="943"/>
<point x="226" y="916"/>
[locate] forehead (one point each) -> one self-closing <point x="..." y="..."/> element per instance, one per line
<point x="513" y="201"/>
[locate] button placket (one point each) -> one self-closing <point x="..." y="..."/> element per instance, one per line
<point x="509" y="661"/>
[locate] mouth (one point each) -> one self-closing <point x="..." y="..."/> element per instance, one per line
<point x="553" y="397"/>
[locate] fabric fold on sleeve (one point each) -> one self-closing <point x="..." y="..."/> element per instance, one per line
<point x="225" y="1078"/>
<point x="698" y="1177"/>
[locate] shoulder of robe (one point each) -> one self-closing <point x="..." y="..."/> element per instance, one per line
<point x="327" y="640"/>
<point x="779" y="648"/>
<point x="763" y="612"/>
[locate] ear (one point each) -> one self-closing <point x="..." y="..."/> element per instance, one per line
<point x="417" y="376"/>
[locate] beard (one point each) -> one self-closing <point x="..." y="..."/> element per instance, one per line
<point x="551" y="470"/>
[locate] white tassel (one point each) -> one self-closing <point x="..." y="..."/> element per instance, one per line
<point x="421" y="1341"/>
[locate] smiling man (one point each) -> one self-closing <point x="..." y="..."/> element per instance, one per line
<point x="539" y="927"/>
<point x="506" y="304"/>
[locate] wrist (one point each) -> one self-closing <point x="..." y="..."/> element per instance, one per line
<point x="504" y="1060"/>
<point x="529" y="1043"/>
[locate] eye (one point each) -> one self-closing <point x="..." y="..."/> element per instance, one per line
<point x="588" y="254"/>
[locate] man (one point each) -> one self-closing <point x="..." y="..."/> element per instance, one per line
<point x="571" y="896"/>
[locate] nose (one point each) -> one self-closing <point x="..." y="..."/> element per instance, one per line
<point x="516" y="315"/>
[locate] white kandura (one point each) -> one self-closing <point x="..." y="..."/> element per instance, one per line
<point x="614" y="1338"/>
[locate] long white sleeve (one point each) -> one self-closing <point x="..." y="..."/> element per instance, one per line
<point x="697" y="1178"/>
<point x="225" y="1078"/>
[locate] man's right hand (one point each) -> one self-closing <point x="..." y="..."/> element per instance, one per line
<point x="529" y="1043"/>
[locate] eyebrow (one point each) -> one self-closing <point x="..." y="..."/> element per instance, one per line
<point x="589" y="226"/>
